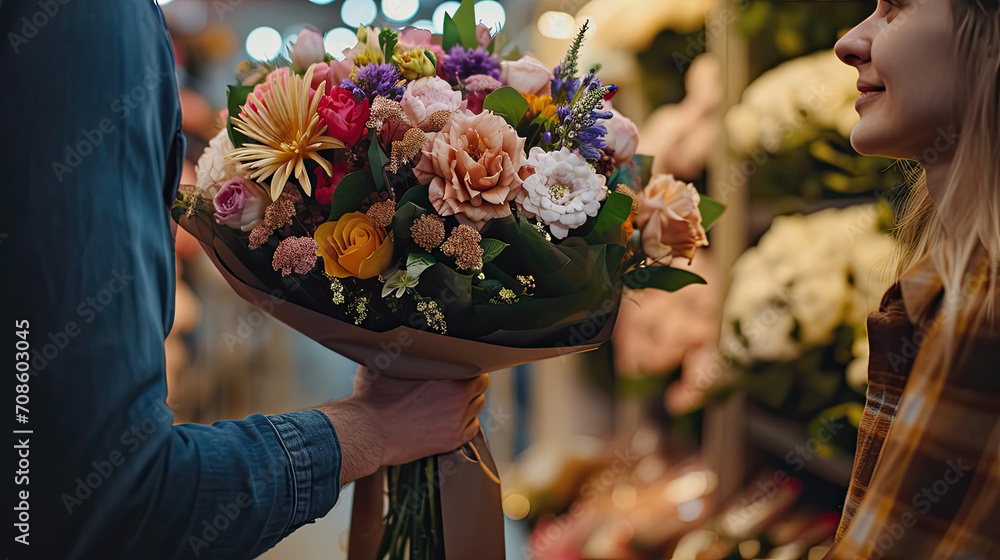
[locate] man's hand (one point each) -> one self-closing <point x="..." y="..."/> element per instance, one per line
<point x="389" y="421"/>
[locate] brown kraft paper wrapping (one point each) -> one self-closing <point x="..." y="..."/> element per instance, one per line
<point x="471" y="510"/>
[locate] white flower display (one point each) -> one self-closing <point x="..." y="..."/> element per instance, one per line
<point x="806" y="277"/>
<point x="778" y="112"/>
<point x="212" y="167"/>
<point x="563" y="192"/>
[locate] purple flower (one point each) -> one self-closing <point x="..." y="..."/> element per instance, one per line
<point x="375" y="79"/>
<point x="563" y="88"/>
<point x="462" y="63"/>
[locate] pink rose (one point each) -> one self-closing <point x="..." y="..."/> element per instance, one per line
<point x="345" y="118"/>
<point x="669" y="219"/>
<point x="527" y="75"/>
<point x="325" y="186"/>
<point x="426" y="96"/>
<point x="240" y="204"/>
<point x="622" y="137"/>
<point x="307" y="50"/>
<point x="411" y="37"/>
<point x="473" y="168"/>
<point x="332" y="73"/>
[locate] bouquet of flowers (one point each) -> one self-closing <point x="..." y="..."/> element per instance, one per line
<point x="431" y="209"/>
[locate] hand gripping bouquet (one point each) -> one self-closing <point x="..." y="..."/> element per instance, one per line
<point x="433" y="211"/>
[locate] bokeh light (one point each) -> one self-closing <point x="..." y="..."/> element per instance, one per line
<point x="263" y="44"/>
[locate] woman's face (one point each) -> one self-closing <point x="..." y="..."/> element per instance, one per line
<point x="907" y="76"/>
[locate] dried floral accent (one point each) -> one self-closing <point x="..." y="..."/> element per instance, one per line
<point x="337" y="288"/>
<point x="433" y="315"/>
<point x="528" y="283"/>
<point x="481" y="82"/>
<point x="403" y="151"/>
<point x="385" y="109"/>
<point x="463" y="244"/>
<point x="197" y="200"/>
<point x="373" y="199"/>
<point x="360" y="308"/>
<point x="295" y="254"/>
<point x="435" y="122"/>
<point x="278" y="214"/>
<point x="627" y="191"/>
<point x="428" y="231"/>
<point x="506" y="296"/>
<point x="381" y="213"/>
<point x="606" y="164"/>
<point x="540" y="228"/>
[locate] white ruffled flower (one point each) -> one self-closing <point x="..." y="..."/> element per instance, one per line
<point x="563" y="192"/>
<point x="212" y="167"/>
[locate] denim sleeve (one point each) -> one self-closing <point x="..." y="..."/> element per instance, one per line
<point x="90" y="146"/>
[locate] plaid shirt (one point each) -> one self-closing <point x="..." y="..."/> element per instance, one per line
<point x="926" y="480"/>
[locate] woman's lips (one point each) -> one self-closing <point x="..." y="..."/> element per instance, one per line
<point x="867" y="96"/>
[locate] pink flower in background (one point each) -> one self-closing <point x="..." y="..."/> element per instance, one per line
<point x="669" y="219"/>
<point x="473" y="168"/>
<point x="332" y="73"/>
<point x="413" y="37"/>
<point x="622" y="136"/>
<point x="307" y="50"/>
<point x="345" y="118"/>
<point x="240" y="204"/>
<point x="483" y="36"/>
<point x="325" y="186"/>
<point x="426" y="96"/>
<point x="527" y="75"/>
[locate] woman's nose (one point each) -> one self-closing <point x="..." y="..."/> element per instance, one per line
<point x="854" y="48"/>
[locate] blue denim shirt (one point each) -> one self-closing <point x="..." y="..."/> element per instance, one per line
<point x="90" y="157"/>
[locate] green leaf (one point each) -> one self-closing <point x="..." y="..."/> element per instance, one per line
<point x="449" y="36"/>
<point x="710" y="211"/>
<point x="377" y="160"/>
<point x="422" y="258"/>
<point x="417" y="195"/>
<point x="465" y="22"/>
<point x="508" y="103"/>
<point x="236" y="97"/>
<point x="661" y="277"/>
<point x="614" y="212"/>
<point x="351" y="190"/>
<point x="492" y="249"/>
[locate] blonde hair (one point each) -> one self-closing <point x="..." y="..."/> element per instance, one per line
<point x="963" y="228"/>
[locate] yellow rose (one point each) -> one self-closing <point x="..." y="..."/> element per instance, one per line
<point x="353" y="246"/>
<point x="414" y="63"/>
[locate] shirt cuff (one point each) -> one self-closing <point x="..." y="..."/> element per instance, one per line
<point x="314" y="455"/>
